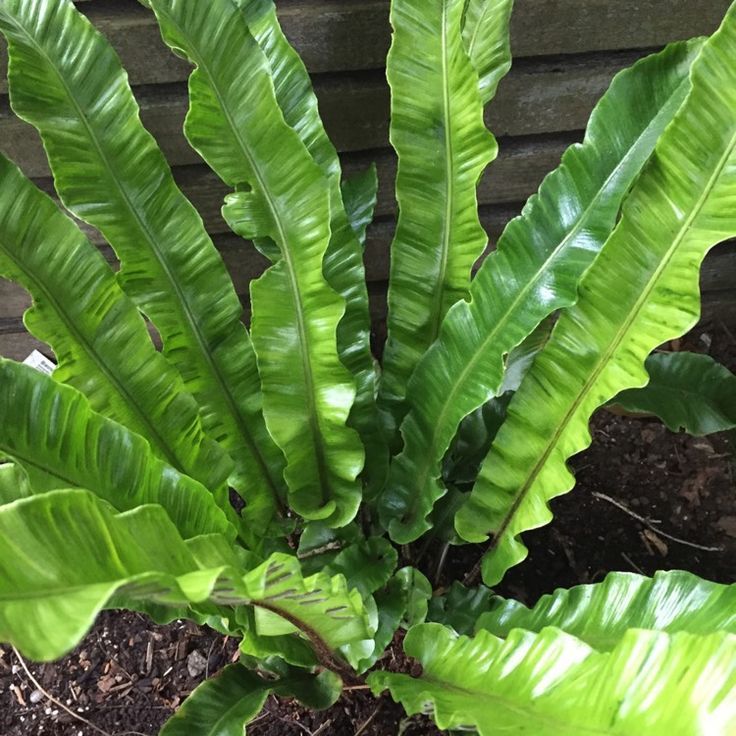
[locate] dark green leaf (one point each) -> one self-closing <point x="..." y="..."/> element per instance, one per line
<point x="360" y="194"/>
<point x="687" y="391"/>
<point x="220" y="706"/>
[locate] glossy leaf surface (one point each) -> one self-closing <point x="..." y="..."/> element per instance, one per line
<point x="100" y="339"/>
<point x="443" y="146"/>
<point x="65" y="553"/>
<point x="221" y="706"/>
<point x="487" y="42"/>
<point x="535" y="271"/>
<point x="551" y="683"/>
<point x="52" y="432"/>
<point x="237" y="126"/>
<point x="641" y="291"/>
<point x="687" y="391"/>
<point x="600" y="614"/>
<point x="78" y="553"/>
<point x="343" y="263"/>
<point x="66" y="80"/>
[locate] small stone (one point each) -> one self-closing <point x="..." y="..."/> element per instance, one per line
<point x="727" y="524"/>
<point x="196" y="663"/>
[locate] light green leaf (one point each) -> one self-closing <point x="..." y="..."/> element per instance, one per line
<point x="100" y="339"/>
<point x="641" y="291"/>
<point x="51" y="431"/>
<point x="534" y="272"/>
<point x="237" y="126"/>
<point x="109" y="171"/>
<point x="13" y="483"/>
<point x="360" y="194"/>
<point x="343" y="263"/>
<point x="221" y="706"/>
<point x="488" y="42"/>
<point x="600" y="614"/>
<point x="320" y="606"/>
<point x="550" y="683"/>
<point x="65" y="553"/>
<point x="686" y="391"/>
<point x="443" y="146"/>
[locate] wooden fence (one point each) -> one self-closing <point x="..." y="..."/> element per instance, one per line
<point x="566" y="52"/>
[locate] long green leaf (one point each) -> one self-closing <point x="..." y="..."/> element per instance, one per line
<point x="109" y="171"/>
<point x="52" y="432"/>
<point x="360" y="194"/>
<point x="66" y="553"/>
<point x="237" y="126"/>
<point x="221" y="706"/>
<point x="535" y="270"/>
<point x="99" y="337"/>
<point x="343" y="262"/>
<point x="641" y="291"/>
<point x="549" y="684"/>
<point x="686" y="391"/>
<point x="600" y="614"/>
<point x="62" y="556"/>
<point x="488" y="42"/>
<point x="443" y="146"/>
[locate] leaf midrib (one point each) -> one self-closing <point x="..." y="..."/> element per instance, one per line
<point x="324" y="481"/>
<point x="479" y="354"/>
<point x="193" y="325"/>
<point x="615" y="343"/>
<point x="438" y="294"/>
<point x="527" y="713"/>
<point x="82" y="341"/>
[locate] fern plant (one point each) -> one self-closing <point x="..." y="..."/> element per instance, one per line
<point x="120" y="467"/>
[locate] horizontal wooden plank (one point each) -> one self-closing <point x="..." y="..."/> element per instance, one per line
<point x="245" y="263"/>
<point x="17" y="344"/>
<point x="335" y="35"/>
<point x="520" y="168"/>
<point x="546" y="97"/>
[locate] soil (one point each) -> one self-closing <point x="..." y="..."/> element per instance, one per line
<point x="645" y="499"/>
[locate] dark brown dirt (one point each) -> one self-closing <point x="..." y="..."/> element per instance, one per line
<point x="128" y="675"/>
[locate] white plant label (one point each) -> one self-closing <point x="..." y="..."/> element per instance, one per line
<point x="40" y="362"/>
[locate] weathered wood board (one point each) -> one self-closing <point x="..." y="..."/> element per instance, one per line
<point x="354" y="35"/>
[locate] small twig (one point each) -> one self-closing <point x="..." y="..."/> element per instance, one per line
<point x="329" y="547"/>
<point x="323" y="727"/>
<point x="364" y="726"/>
<point x="53" y="700"/>
<point x="651" y="525"/>
<point x="356" y="687"/>
<point x="633" y="564"/>
<point x="472" y="576"/>
<point x="727" y="331"/>
<point x="441" y="562"/>
<point x="207" y="663"/>
<point x="290" y="723"/>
